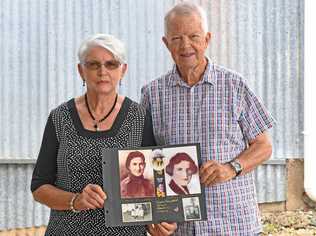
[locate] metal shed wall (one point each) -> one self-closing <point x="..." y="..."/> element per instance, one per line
<point x="263" y="40"/>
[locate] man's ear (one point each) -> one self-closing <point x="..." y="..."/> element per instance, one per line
<point x="208" y="37"/>
<point x="165" y="40"/>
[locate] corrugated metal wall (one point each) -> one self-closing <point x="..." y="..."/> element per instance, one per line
<point x="263" y="40"/>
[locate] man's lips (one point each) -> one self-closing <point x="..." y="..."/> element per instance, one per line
<point x="188" y="54"/>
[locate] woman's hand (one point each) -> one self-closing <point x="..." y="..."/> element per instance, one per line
<point x="162" y="229"/>
<point x="91" y="197"/>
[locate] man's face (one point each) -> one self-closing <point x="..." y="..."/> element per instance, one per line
<point x="137" y="166"/>
<point x="186" y="40"/>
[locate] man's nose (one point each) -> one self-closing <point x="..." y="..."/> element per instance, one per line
<point x="185" y="41"/>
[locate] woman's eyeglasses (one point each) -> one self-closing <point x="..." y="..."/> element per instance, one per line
<point x="95" y="65"/>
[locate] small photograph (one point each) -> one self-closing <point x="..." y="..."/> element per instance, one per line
<point x="158" y="161"/>
<point x="191" y="208"/>
<point x="135" y="212"/>
<point x="182" y="171"/>
<point x="160" y="187"/>
<point x="136" y="174"/>
<point x="160" y="190"/>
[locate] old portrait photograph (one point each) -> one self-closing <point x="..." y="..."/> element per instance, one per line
<point x="133" y="212"/>
<point x="181" y="171"/>
<point x="136" y="174"/>
<point x="191" y="208"/>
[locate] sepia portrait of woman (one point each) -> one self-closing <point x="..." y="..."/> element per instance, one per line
<point x="181" y="167"/>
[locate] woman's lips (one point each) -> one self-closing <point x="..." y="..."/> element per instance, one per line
<point x="103" y="82"/>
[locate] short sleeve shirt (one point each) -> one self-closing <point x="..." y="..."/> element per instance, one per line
<point x="222" y="114"/>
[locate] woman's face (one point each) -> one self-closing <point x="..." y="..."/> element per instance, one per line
<point x="181" y="173"/>
<point x="105" y="79"/>
<point x="137" y="166"/>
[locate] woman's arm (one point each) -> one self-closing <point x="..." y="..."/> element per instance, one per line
<point x="45" y="168"/>
<point x="148" y="134"/>
<point x="53" y="197"/>
<point x="162" y="229"/>
<point x="44" y="176"/>
<point x="91" y="197"/>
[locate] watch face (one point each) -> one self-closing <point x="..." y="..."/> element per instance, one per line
<point x="236" y="165"/>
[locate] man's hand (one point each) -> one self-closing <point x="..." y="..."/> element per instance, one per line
<point x="162" y="229"/>
<point x="92" y="197"/>
<point x="212" y="172"/>
<point x="259" y="150"/>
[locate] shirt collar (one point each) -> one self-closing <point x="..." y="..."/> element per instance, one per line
<point x="208" y="75"/>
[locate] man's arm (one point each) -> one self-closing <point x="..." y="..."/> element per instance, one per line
<point x="259" y="150"/>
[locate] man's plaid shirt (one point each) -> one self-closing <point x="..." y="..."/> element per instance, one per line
<point x="222" y="114"/>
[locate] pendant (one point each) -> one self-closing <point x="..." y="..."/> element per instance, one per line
<point x="96" y="127"/>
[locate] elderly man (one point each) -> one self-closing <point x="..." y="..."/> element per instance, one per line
<point x="199" y="101"/>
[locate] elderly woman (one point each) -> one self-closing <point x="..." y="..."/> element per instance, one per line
<point x="181" y="168"/>
<point x="68" y="173"/>
<point x="135" y="185"/>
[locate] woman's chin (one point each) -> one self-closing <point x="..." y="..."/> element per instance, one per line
<point x="104" y="90"/>
<point x="182" y="183"/>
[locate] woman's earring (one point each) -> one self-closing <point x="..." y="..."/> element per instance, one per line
<point x="83" y="83"/>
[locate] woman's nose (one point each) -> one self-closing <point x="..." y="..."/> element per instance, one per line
<point x="103" y="70"/>
<point x="188" y="174"/>
<point x="185" y="174"/>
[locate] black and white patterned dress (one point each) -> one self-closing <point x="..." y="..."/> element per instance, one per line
<point x="70" y="158"/>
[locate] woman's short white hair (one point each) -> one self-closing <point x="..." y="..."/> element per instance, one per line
<point x="187" y="8"/>
<point x="106" y="41"/>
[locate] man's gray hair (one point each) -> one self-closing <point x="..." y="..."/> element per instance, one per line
<point x="106" y="41"/>
<point x="187" y="8"/>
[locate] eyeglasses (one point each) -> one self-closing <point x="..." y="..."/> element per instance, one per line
<point x="95" y="65"/>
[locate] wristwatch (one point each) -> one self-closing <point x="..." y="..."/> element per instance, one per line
<point x="235" y="164"/>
